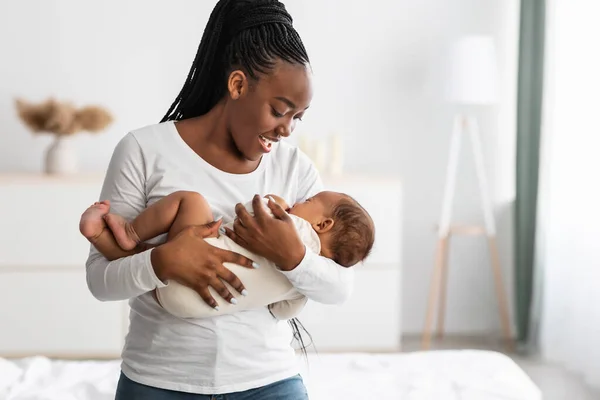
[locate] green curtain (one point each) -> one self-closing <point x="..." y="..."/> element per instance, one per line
<point x="529" y="116"/>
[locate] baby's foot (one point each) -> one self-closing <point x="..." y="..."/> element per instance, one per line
<point x="123" y="231"/>
<point x="91" y="224"/>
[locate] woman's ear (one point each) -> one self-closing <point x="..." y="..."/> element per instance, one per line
<point x="237" y="84"/>
<point x="324" y="225"/>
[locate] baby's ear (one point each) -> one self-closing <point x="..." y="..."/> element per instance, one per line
<point x="324" y="225"/>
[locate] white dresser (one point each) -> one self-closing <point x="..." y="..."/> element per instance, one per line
<point x="47" y="308"/>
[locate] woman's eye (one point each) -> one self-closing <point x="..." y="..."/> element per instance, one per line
<point x="275" y="113"/>
<point x="298" y="118"/>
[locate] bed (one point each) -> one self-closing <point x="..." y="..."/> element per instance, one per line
<point x="439" y="375"/>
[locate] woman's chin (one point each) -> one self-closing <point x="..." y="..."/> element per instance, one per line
<point x="253" y="156"/>
<point x="250" y="154"/>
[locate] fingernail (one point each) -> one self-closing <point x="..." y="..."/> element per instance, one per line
<point x="216" y="308"/>
<point x="244" y="292"/>
<point x="233" y="301"/>
<point x="270" y="198"/>
<point x="255" y="264"/>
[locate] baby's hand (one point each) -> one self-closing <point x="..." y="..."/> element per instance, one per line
<point x="279" y="201"/>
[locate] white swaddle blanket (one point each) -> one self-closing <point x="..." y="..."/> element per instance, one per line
<point x="266" y="286"/>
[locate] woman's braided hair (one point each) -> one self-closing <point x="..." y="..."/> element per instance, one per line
<point x="250" y="35"/>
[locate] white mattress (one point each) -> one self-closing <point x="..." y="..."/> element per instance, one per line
<point x="438" y="375"/>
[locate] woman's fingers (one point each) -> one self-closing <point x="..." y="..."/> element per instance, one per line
<point x="206" y="296"/>
<point x="209" y="229"/>
<point x="240" y="230"/>
<point x="259" y="209"/>
<point x="220" y="288"/>
<point x="233" y="236"/>
<point x="231" y="278"/>
<point x="235" y="258"/>
<point x="243" y="215"/>
<point x="277" y="210"/>
<point x="239" y="234"/>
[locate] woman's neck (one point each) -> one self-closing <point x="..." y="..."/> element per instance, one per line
<point x="208" y="136"/>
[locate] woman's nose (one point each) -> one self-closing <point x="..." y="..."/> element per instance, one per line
<point x="285" y="129"/>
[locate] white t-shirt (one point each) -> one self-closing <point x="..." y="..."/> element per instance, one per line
<point x="227" y="353"/>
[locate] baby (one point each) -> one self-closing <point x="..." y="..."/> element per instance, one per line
<point x="330" y="224"/>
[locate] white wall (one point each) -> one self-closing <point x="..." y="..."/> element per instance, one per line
<point x="375" y="69"/>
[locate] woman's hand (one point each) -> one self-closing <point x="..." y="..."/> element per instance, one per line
<point x="279" y="200"/>
<point x="189" y="260"/>
<point x="275" y="238"/>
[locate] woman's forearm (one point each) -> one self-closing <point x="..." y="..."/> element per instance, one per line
<point x="124" y="184"/>
<point x="121" y="279"/>
<point x="159" y="264"/>
<point x="321" y="279"/>
<point x="292" y="259"/>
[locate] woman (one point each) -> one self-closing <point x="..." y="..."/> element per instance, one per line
<point x="248" y="86"/>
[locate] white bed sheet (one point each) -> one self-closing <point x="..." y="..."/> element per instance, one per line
<point x="437" y="375"/>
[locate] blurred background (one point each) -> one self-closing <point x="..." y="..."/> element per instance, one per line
<point x="381" y="126"/>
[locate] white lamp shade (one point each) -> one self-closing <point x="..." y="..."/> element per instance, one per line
<point x="472" y="71"/>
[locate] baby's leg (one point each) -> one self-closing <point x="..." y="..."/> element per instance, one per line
<point x="170" y="214"/>
<point x="93" y="227"/>
<point x="193" y="210"/>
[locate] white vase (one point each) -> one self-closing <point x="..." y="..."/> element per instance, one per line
<point x="61" y="157"/>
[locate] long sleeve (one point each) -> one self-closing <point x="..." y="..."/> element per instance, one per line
<point x="318" y="278"/>
<point x="124" y="186"/>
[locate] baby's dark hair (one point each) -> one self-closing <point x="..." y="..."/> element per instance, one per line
<point x="353" y="232"/>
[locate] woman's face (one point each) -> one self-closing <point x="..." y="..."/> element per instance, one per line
<point x="260" y="113"/>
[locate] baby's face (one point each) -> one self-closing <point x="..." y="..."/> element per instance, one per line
<point x="317" y="207"/>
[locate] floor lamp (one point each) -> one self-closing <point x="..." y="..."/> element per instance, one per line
<point x="471" y="82"/>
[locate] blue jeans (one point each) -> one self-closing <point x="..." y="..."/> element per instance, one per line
<point x="288" y="389"/>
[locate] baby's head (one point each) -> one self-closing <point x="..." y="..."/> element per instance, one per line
<point x="345" y="229"/>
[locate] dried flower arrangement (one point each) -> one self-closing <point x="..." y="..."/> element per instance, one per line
<point x="62" y="118"/>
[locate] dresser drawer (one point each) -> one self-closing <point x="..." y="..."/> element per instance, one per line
<point x="40" y="222"/>
<point x="53" y="313"/>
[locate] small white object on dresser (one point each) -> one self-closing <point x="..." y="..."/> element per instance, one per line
<point x="48" y="310"/>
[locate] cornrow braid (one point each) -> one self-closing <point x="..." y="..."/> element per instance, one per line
<point x="240" y="34"/>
